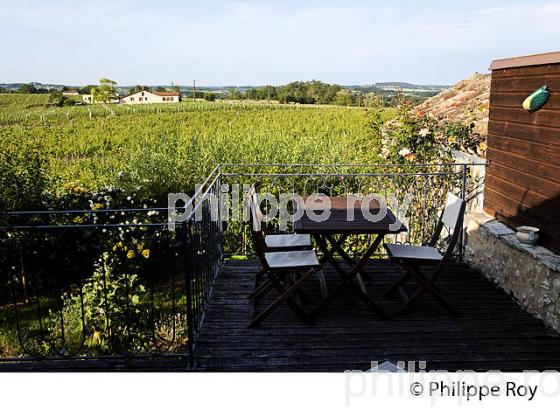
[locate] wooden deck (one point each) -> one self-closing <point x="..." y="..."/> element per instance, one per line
<point x="494" y="333"/>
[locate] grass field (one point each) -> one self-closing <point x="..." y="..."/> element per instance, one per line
<point x="165" y="148"/>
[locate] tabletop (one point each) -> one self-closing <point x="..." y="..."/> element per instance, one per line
<point x="344" y="219"/>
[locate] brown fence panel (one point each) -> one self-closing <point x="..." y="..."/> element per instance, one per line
<point x="523" y="180"/>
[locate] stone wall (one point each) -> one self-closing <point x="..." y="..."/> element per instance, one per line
<point x="531" y="276"/>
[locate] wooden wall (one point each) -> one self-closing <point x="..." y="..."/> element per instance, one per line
<point x="523" y="180"/>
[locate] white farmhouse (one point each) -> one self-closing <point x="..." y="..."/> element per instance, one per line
<point x="148" y="97"/>
<point x="88" y="99"/>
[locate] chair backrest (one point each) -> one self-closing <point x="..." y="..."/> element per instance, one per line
<point x="252" y="190"/>
<point x="453" y="211"/>
<point x="253" y="204"/>
<point x="257" y="207"/>
<point x="257" y="234"/>
<point x="452" y="217"/>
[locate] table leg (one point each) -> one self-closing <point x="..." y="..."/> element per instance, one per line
<point x="337" y="246"/>
<point x="348" y="278"/>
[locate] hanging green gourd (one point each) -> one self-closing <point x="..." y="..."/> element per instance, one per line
<point x="537" y="99"/>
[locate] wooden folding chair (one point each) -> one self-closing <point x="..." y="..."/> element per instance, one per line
<point x="276" y="243"/>
<point x="280" y="268"/>
<point x="413" y="258"/>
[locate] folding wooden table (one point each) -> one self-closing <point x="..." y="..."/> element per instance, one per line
<point x="346" y="218"/>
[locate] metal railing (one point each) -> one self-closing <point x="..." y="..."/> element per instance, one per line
<point x="106" y="283"/>
<point x="414" y="192"/>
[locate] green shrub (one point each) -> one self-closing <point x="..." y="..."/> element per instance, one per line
<point x="113" y="302"/>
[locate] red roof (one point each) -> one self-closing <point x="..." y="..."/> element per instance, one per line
<point x="167" y="93"/>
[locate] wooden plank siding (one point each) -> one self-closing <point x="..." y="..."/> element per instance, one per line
<point x="523" y="180"/>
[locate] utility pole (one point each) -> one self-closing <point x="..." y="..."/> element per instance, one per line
<point x="194" y="91"/>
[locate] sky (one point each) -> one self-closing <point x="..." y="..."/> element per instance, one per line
<point x="252" y="42"/>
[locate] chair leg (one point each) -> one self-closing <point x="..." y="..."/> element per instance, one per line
<point x="260" y="291"/>
<point x="286" y="296"/>
<point x="361" y="283"/>
<point x="440" y="297"/>
<point x="257" y="277"/>
<point x="290" y="281"/>
<point x="322" y="283"/>
<point x="426" y="285"/>
<point x="403" y="279"/>
<point x="290" y="291"/>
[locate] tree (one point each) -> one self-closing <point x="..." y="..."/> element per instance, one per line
<point x="297" y="91"/>
<point x="208" y="96"/>
<point x="268" y="92"/>
<point x="234" y="94"/>
<point x="105" y="92"/>
<point x="174" y="87"/>
<point x="86" y="89"/>
<point x="343" y="97"/>
<point x="330" y="93"/>
<point x="138" y="87"/>
<point x="309" y="92"/>
<point x="27" y="89"/>
<point x="252" y="94"/>
<point x="57" y="98"/>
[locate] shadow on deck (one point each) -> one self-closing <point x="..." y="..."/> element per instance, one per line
<point x="494" y="333"/>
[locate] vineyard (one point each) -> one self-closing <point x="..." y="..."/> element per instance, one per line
<point x="156" y="149"/>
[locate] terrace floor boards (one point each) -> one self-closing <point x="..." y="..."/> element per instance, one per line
<point x="493" y="332"/>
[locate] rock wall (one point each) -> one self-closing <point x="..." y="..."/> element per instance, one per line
<point x="531" y="276"/>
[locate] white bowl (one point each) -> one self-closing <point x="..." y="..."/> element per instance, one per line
<point x="527" y="235"/>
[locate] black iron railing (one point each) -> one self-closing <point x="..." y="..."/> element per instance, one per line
<point x="107" y="283"/>
<point x="415" y="192"/>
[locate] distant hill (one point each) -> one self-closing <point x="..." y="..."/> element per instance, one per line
<point x="409" y="86"/>
<point x="394" y="86"/>
<point x="466" y="102"/>
<point x="15" y="86"/>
